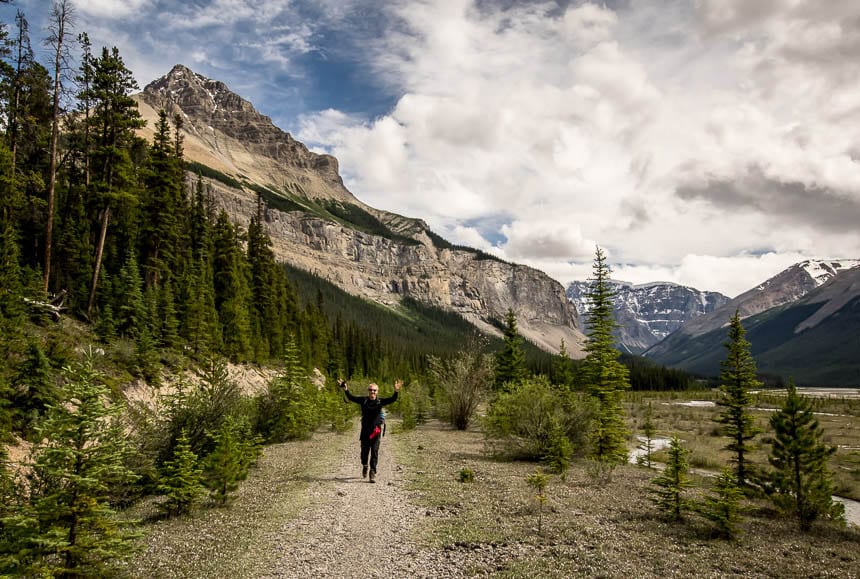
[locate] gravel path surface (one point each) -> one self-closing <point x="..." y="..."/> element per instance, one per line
<point x="351" y="527"/>
<point x="305" y="511"/>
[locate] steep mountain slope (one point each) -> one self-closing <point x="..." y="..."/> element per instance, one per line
<point x="316" y="224"/>
<point x="786" y="287"/>
<point x="647" y="313"/>
<point x="815" y="339"/>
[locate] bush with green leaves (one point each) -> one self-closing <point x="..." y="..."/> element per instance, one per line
<point x="535" y="421"/>
<point x="406" y="409"/>
<point x="181" y="480"/>
<point x="198" y="410"/>
<point x="65" y="525"/>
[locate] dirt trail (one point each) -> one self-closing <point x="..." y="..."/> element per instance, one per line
<point x="351" y="527"/>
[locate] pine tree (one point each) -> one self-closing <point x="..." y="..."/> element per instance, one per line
<point x="130" y="308"/>
<point x="801" y="482"/>
<point x="69" y="528"/>
<point x="511" y="359"/>
<point x="165" y="209"/>
<point x="723" y="506"/>
<point x="232" y="294"/>
<point x="34" y="387"/>
<point x="562" y="367"/>
<point x="289" y="409"/>
<point x="602" y="375"/>
<point x="113" y="122"/>
<point x="227" y="465"/>
<point x="672" y="482"/>
<point x="181" y="480"/>
<point x="737" y="378"/>
<point x="646" y="445"/>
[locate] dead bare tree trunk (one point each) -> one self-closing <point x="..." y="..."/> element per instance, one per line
<point x="99" y="250"/>
<point x="61" y="17"/>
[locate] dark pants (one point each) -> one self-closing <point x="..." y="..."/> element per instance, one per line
<point x="370" y="447"/>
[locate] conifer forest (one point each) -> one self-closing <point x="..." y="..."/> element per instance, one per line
<point x="119" y="272"/>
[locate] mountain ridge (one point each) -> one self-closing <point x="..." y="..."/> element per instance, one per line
<point x="647" y="313"/>
<point x="809" y="330"/>
<point x="316" y="230"/>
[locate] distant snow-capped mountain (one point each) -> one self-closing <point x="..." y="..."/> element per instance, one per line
<point x="647" y="313"/>
<point x="684" y="349"/>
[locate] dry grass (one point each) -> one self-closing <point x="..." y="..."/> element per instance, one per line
<point x="839" y="419"/>
<point x="608" y="530"/>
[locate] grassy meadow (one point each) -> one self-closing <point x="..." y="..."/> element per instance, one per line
<point x="691" y="416"/>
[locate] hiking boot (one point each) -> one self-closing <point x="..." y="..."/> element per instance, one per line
<point x="364" y="471"/>
<point x="373" y="476"/>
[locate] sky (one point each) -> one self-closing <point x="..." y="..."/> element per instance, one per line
<point x="711" y="143"/>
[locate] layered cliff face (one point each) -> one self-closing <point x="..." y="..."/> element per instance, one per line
<point x="319" y="226"/>
<point x="648" y="313"/>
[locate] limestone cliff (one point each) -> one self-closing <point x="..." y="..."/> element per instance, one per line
<point x="315" y="223"/>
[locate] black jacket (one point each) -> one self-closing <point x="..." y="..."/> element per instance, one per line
<point x="370" y="411"/>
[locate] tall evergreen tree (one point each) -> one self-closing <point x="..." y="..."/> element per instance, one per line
<point x="165" y="208"/>
<point x="130" y="306"/>
<point x="114" y="119"/>
<point x="562" y="367"/>
<point x="602" y="375"/>
<point x="801" y="481"/>
<point x="737" y="378"/>
<point x="511" y="359"/>
<point x="232" y="292"/>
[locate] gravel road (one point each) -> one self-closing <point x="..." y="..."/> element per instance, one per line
<point x="305" y="511"/>
<point x="351" y="527"/>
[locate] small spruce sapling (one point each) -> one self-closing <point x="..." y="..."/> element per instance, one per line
<point x="723" y="506"/>
<point x="646" y="444"/>
<point x="226" y="466"/>
<point x="672" y="481"/>
<point x="467" y="475"/>
<point x="181" y="479"/>
<point x="539" y="481"/>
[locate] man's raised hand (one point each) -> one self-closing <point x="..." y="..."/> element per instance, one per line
<point x="397" y="385"/>
<point x="342" y="383"/>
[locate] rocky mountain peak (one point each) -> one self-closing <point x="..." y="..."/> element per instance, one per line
<point x="198" y="96"/>
<point x="647" y="313"/>
<point x="227" y="133"/>
<point x="788" y="286"/>
<point x="316" y="224"/>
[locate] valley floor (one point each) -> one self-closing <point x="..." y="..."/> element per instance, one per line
<point x="306" y="512"/>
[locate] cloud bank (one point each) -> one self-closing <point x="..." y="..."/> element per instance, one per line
<point x="709" y="143"/>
